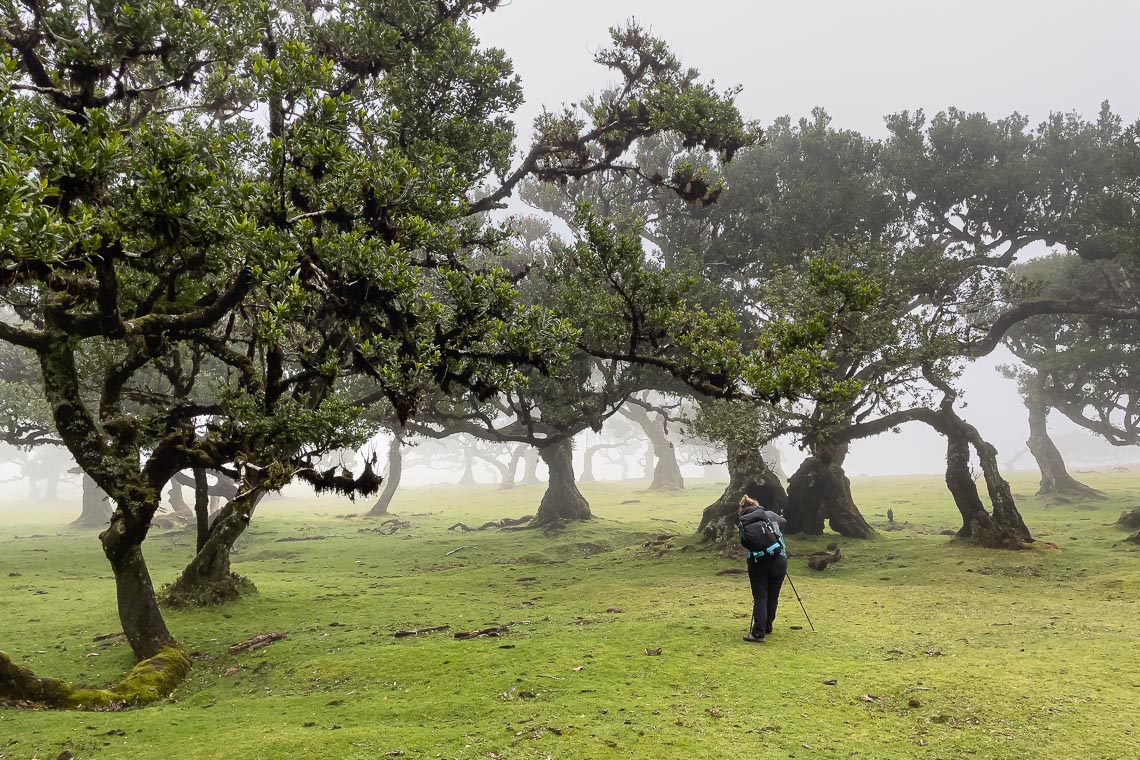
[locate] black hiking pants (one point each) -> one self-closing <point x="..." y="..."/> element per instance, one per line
<point x="765" y="576"/>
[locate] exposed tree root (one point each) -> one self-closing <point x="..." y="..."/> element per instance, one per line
<point x="149" y="681"/>
<point x="506" y="522"/>
<point x="1129" y="520"/>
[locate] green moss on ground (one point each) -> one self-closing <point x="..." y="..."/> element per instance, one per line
<point x="924" y="647"/>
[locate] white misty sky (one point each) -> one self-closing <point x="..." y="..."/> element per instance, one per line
<point x="860" y="61"/>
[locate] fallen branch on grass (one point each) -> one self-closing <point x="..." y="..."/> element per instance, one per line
<point x="418" y="631"/>
<point x="258" y="642"/>
<point x="498" y="630"/>
<point x="820" y="560"/>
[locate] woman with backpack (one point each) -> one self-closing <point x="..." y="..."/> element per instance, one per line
<point x="762" y="536"/>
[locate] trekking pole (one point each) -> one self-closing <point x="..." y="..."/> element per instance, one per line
<point x="801" y="601"/>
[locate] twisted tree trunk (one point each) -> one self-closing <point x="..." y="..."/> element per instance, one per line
<point x="530" y="471"/>
<point x="1004" y="528"/>
<point x="977" y="525"/>
<point x="748" y="474"/>
<point x="97" y="510"/>
<point x="649" y="463"/>
<point x="114" y="464"/>
<point x="468" y="477"/>
<point x="513" y="467"/>
<point x="177" y="501"/>
<point x="1006" y="516"/>
<point x="661" y="465"/>
<point x="392" y="479"/>
<point x="207" y="579"/>
<point x="820" y="490"/>
<point x="1055" y="477"/>
<point x="142" y="621"/>
<point x="562" y="500"/>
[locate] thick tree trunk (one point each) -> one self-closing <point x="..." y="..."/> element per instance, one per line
<point x="977" y="525"/>
<point x="1006" y="516"/>
<point x="562" y="500"/>
<point x="51" y="485"/>
<point x="661" y="466"/>
<point x="1004" y="528"/>
<point x="748" y="474"/>
<point x="587" y="475"/>
<point x="139" y="615"/>
<point x="96" y="507"/>
<point x="649" y="463"/>
<point x="513" y="467"/>
<point x="530" y="471"/>
<point x="819" y="490"/>
<point x="1055" y="477"/>
<point x="667" y="473"/>
<point x="177" y="500"/>
<point x="468" y="478"/>
<point x="771" y="456"/>
<point x="115" y="467"/>
<point x="207" y="579"/>
<point x="391" y="479"/>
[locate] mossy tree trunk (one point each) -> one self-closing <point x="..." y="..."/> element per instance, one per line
<point x="1005" y="513"/>
<point x="207" y="579"/>
<point x="96" y="512"/>
<point x="142" y="621"/>
<point x="1055" y="477"/>
<point x="134" y="488"/>
<point x="150" y="680"/>
<point x="393" y="477"/>
<point x="1003" y="528"/>
<point x="562" y="501"/>
<point x="977" y="525"/>
<point x="748" y="474"/>
<point x="819" y="490"/>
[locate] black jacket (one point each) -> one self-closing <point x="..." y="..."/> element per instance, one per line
<point x="752" y="514"/>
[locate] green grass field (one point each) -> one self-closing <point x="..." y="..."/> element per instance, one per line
<point x="923" y="648"/>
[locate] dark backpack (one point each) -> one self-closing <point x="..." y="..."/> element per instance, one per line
<point x="760" y="538"/>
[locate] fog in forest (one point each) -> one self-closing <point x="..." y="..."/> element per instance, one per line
<point x="859" y="61"/>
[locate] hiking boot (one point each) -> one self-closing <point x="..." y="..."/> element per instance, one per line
<point x="752" y="639"/>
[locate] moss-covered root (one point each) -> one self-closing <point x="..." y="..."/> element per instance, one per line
<point x="149" y="681"/>
<point x="185" y="593"/>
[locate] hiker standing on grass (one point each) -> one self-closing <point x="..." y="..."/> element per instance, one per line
<point x="762" y="537"/>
